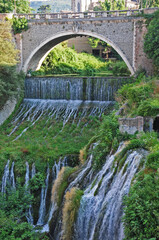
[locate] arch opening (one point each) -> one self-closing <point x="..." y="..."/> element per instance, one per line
<point x="156" y="124"/>
<point x="36" y="58"/>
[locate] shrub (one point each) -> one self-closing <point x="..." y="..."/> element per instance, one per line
<point x="37" y="182"/>
<point x="64" y="60"/>
<point x="149" y="107"/>
<point x="107" y="139"/>
<point x="120" y="68"/>
<point x="10" y="83"/>
<point x="19" y="25"/>
<point x="142" y="208"/>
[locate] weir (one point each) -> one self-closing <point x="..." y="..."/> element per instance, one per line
<point x="73" y="88"/>
<point x="66" y="99"/>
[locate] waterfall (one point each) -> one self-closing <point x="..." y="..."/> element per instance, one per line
<point x="42" y="209"/>
<point x="27" y="175"/>
<point x="29" y="211"/>
<point x="12" y="179"/>
<point x="74" y="88"/>
<point x="55" y="170"/>
<point x="33" y="171"/>
<point x="8" y="177"/>
<point x="5" y="177"/>
<point x="101" y="206"/>
<point x="32" y="110"/>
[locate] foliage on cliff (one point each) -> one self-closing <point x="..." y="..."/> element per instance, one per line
<point x="141" y="219"/>
<point x="142" y="204"/>
<point x="10" y="80"/>
<point x="70" y="210"/>
<point x="151" y="42"/>
<point x="140" y="98"/>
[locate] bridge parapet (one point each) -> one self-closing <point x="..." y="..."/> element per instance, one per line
<point x="77" y="15"/>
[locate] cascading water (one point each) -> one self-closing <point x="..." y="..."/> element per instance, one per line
<point x="29" y="215"/>
<point x="42" y="209"/>
<point x="33" y="171"/>
<point x="101" y="207"/>
<point x="8" y="177"/>
<point x="74" y="88"/>
<point x="5" y="177"/>
<point x="12" y="179"/>
<point x="55" y="171"/>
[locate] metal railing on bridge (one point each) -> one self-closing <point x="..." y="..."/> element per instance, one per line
<point x="77" y="15"/>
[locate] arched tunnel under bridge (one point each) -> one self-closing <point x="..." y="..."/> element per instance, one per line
<point x="37" y="57"/>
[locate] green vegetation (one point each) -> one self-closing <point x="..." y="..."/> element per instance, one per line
<point x="13" y="207"/>
<point x="8" y="53"/>
<point x="108" y="5"/>
<point x="19" y="25"/>
<point x="140" y="98"/>
<point x="142" y="204"/>
<point x="44" y="9"/>
<point x="151" y="46"/>
<point x="64" y="60"/>
<point x="10" y="81"/>
<point x="40" y="145"/>
<point x="11" y="87"/>
<point x="70" y="209"/>
<point x="108" y="138"/>
<point x="20" y="6"/>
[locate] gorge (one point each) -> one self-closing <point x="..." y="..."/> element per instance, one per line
<point x="70" y="101"/>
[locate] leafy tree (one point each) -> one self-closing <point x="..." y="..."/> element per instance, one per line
<point x="151" y="43"/>
<point x="20" y="6"/>
<point x="149" y="3"/>
<point x="20" y="24"/>
<point x="8" y="53"/>
<point x="44" y="9"/>
<point x="108" y="5"/>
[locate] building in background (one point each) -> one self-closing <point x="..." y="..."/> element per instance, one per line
<point x="81" y="44"/>
<point x="89" y="5"/>
<point x="84" y="5"/>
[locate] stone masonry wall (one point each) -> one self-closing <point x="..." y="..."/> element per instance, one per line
<point x="140" y="58"/>
<point x="131" y="125"/>
<point x="7" y="110"/>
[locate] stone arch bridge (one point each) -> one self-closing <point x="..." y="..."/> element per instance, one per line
<point x="123" y="30"/>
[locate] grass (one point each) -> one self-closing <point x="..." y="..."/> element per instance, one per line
<point x="39" y="144"/>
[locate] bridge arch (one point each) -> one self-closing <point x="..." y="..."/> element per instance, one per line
<point x="38" y="55"/>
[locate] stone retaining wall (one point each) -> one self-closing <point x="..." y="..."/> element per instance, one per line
<point x="131" y="125"/>
<point x="7" y="110"/>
